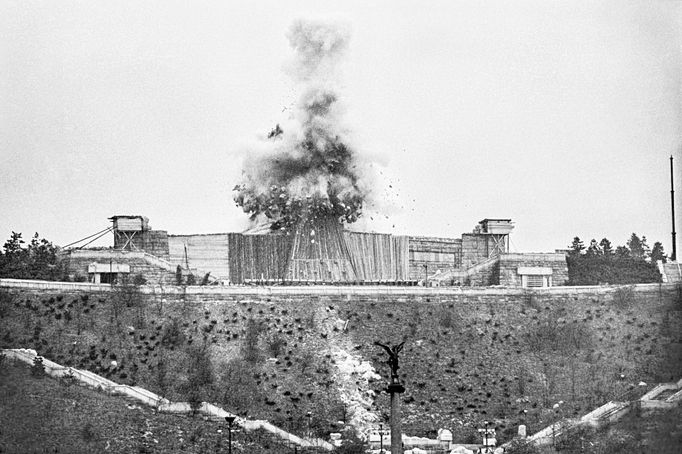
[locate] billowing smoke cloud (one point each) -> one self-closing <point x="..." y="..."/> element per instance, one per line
<point x="306" y="169"/>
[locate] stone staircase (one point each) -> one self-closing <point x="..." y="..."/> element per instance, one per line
<point x="609" y="412"/>
<point x="482" y="271"/>
<point x="664" y="395"/>
<point x="671" y="272"/>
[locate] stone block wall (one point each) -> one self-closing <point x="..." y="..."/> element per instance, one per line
<point x="322" y="296"/>
<point x="154" y="242"/>
<point x="476" y="248"/>
<point x="509" y="264"/>
<point x="484" y="274"/>
<point x="139" y="263"/>
<point x="433" y="254"/>
<point x="459" y="261"/>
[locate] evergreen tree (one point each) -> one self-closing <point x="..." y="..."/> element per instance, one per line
<point x="42" y="259"/>
<point x="606" y="248"/>
<point x="594" y="250"/>
<point x="600" y="265"/>
<point x="645" y="248"/>
<point x="14" y="263"/>
<point x="657" y="253"/>
<point x="622" y="252"/>
<point x="38" y="261"/>
<point x="576" y="248"/>
<point x="636" y="247"/>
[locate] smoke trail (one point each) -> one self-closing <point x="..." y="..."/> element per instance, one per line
<point x="307" y="169"/>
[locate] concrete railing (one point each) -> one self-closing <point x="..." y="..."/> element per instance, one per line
<point x="651" y="395"/>
<point x="151" y="399"/>
<point x="54" y="285"/>
<point x="334" y="289"/>
<point x="609" y="412"/>
<point x="652" y="400"/>
<point x="675" y="398"/>
<point x="599" y="412"/>
<point x="404" y="291"/>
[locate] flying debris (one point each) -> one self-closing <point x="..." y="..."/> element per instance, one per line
<point x="277" y="131"/>
<point x="308" y="172"/>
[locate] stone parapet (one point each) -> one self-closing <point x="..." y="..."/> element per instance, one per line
<point x="417" y="294"/>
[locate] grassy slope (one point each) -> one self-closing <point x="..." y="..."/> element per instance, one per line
<point x="472" y="363"/>
<point x="462" y="364"/>
<point x="653" y="431"/>
<point x="46" y="415"/>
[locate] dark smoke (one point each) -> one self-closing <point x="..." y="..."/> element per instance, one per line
<point x="306" y="170"/>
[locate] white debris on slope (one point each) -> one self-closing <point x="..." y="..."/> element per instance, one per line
<point x="353" y="380"/>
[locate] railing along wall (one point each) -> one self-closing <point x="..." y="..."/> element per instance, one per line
<point x="335" y="289"/>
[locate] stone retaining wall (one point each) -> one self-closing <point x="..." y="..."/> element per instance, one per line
<point x="306" y="294"/>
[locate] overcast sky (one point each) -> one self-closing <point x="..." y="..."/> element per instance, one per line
<point x="560" y="115"/>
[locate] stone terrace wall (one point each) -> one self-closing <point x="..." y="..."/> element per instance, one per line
<point x="509" y="263"/>
<point x="307" y="294"/>
<point x="415" y="295"/>
<point x="138" y="261"/>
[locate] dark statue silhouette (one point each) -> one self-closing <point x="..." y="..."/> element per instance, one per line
<point x="392" y="358"/>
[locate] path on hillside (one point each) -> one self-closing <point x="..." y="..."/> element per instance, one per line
<point x="157" y="402"/>
<point x="663" y="395"/>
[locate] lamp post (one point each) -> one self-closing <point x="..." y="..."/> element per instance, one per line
<point x="229" y="420"/>
<point x="485" y="435"/>
<point x="486" y="441"/>
<point x="381" y="438"/>
<point x="557" y="411"/>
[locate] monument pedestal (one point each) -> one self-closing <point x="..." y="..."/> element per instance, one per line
<point x="395" y="389"/>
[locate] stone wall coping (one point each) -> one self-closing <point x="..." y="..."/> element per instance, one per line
<point x="99" y="253"/>
<point x="433" y="239"/>
<point x="534" y="270"/>
<point x="330" y="289"/>
<point x="180" y="235"/>
<point x="53" y="285"/>
<point x="530" y="256"/>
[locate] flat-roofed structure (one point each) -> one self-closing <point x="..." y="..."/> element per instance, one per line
<point x="322" y="252"/>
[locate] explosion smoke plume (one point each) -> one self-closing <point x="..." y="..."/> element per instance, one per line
<point x="306" y="170"/>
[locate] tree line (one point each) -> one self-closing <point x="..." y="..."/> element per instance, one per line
<point x="601" y="263"/>
<point x="39" y="259"/>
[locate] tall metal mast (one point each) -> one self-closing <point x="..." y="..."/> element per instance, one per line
<point x="673" y="256"/>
